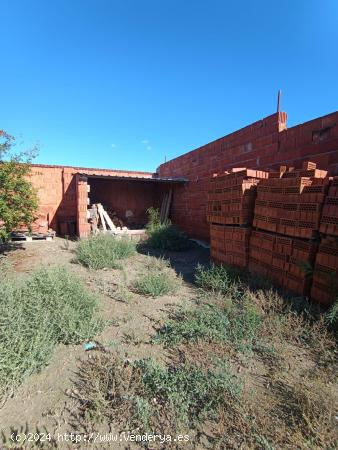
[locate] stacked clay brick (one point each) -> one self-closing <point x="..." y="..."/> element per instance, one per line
<point x="290" y="201"/>
<point x="232" y="196"/>
<point x="287" y="214"/>
<point x="287" y="208"/>
<point x="230" y="210"/>
<point x="229" y="244"/>
<point x="325" y="276"/>
<point x="285" y="260"/>
<point x="289" y="205"/>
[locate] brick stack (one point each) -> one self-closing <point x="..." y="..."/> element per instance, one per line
<point x="285" y="260"/>
<point x="290" y="201"/>
<point x="329" y="221"/>
<point x="229" y="244"/>
<point x="325" y="276"/>
<point x="83" y="227"/>
<point x="230" y="211"/>
<point x="288" y="211"/>
<point x="232" y="196"/>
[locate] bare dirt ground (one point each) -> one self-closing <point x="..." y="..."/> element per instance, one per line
<point x="43" y="401"/>
<point x="47" y="400"/>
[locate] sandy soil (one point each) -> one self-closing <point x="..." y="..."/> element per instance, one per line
<point x="43" y="401"/>
<point x="47" y="400"/>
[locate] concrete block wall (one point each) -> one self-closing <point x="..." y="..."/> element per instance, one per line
<point x="266" y="143"/>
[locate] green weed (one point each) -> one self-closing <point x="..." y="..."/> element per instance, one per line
<point x="331" y="316"/>
<point x="103" y="251"/>
<point x="52" y="306"/>
<point x="157" y="279"/>
<point x="207" y="322"/>
<point x="217" y="278"/>
<point x="190" y="393"/>
<point x="235" y="322"/>
<point x="5" y="265"/>
<point x="122" y="294"/>
<point x="143" y="412"/>
<point x="147" y="395"/>
<point x="165" y="236"/>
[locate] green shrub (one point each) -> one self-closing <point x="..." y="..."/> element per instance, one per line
<point x="154" y="219"/>
<point x="188" y="393"/>
<point x="103" y="251"/>
<point x="332" y="315"/>
<point x="52" y="306"/>
<point x="207" y="322"/>
<point x="168" y="237"/>
<point x="216" y="278"/>
<point x="233" y="321"/>
<point x="18" y="199"/>
<point x="165" y="236"/>
<point x="146" y="396"/>
<point x="156" y="283"/>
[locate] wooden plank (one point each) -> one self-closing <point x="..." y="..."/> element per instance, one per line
<point x="108" y="220"/>
<point x="166" y="213"/>
<point x="94" y="219"/>
<point x="163" y="206"/>
<point x="99" y="209"/>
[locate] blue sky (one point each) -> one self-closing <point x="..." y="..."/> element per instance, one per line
<point x="122" y="84"/>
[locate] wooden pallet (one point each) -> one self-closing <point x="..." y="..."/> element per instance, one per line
<point x="21" y="237"/>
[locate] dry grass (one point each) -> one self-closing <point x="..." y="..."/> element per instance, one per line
<point x="239" y="366"/>
<point x="264" y="365"/>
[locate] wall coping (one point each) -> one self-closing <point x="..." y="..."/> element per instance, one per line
<point x="77" y="168"/>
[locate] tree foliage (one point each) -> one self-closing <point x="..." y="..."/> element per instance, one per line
<point x="18" y="201"/>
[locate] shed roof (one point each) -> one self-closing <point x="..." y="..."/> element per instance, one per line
<point x="154" y="179"/>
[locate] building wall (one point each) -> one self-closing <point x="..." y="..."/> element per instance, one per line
<point x="58" y="192"/>
<point x="120" y="196"/>
<point x="266" y="143"/>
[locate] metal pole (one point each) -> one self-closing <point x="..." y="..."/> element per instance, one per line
<point x="278" y="100"/>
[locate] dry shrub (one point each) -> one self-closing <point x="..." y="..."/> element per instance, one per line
<point x="308" y="409"/>
<point x="146" y="396"/>
<point x="104" y="384"/>
<point x="285" y="320"/>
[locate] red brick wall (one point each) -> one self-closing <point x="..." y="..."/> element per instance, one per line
<point x="120" y="196"/>
<point x="263" y="144"/>
<point x="57" y="191"/>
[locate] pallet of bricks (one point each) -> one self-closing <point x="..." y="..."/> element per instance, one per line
<point x="325" y="276"/>
<point x="286" y="221"/>
<point x="230" y="209"/>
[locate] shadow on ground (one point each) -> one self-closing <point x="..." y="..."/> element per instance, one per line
<point x="183" y="262"/>
<point x="8" y="247"/>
